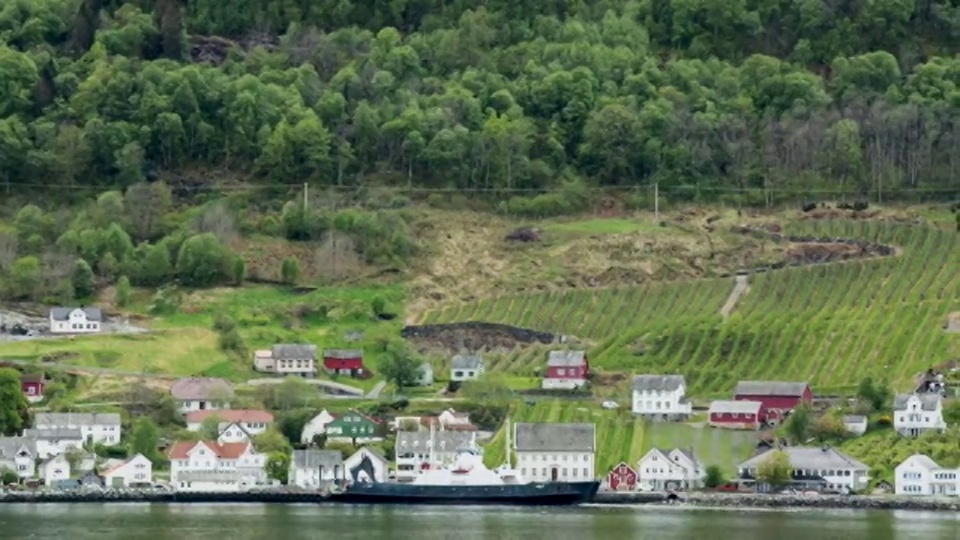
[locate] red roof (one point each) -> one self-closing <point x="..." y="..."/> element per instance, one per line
<point x="231" y="415"/>
<point x="181" y="449"/>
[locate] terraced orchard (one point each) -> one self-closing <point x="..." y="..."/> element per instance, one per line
<point x="621" y="437"/>
<point x="831" y="324"/>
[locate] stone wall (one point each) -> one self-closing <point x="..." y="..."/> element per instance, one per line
<point x="750" y="500"/>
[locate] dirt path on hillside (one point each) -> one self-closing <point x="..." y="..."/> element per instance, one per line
<point x="741" y="288"/>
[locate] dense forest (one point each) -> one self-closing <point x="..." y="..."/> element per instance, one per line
<point x="700" y="97"/>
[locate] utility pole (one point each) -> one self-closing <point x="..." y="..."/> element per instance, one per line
<point x="656" y="201"/>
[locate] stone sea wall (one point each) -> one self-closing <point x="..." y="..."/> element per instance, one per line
<point x="159" y="496"/>
<point x="750" y="500"/>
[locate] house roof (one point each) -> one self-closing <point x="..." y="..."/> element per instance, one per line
<point x="923" y="460"/>
<point x="63" y="313"/>
<point x="59" y="434"/>
<point x="181" y="449"/>
<point x="663" y="383"/>
<point x="443" y="441"/>
<point x="288" y="351"/>
<point x="555" y="437"/>
<point x="456" y="426"/>
<point x="343" y="354"/>
<point x="230" y="415"/>
<point x="32" y="378"/>
<point x="9" y="446"/>
<point x="354" y="412"/>
<point x="464" y="361"/>
<point x="928" y="401"/>
<point x="372" y="451"/>
<point x="688" y="453"/>
<point x="722" y="406"/>
<point x="76" y="419"/>
<point x="854" y="419"/>
<point x="808" y="457"/>
<point x="770" y="388"/>
<point x="566" y="358"/>
<point x="120" y="465"/>
<point x="312" y="458"/>
<point x="201" y="388"/>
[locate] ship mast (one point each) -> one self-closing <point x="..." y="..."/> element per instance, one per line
<point x="506" y="441"/>
<point x="430" y="459"/>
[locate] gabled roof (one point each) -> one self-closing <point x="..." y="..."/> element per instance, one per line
<point x="32" y="378"/>
<point x="662" y="383"/>
<point x="230" y="415"/>
<point x="658" y="451"/>
<point x="119" y="466"/>
<point x="722" y="406"/>
<point x="923" y="460"/>
<point x="354" y="412"/>
<point x="343" y="354"/>
<point x="201" y="388"/>
<point x="812" y="458"/>
<point x="76" y="419"/>
<point x="555" y="437"/>
<point x="10" y="446"/>
<point x="443" y="441"/>
<point x="287" y="351"/>
<point x="770" y="388"/>
<point x="928" y="401"/>
<point x="372" y="451"/>
<point x="566" y="358"/>
<point x="181" y="449"/>
<point x="464" y="361"/>
<point x="63" y="313"/>
<point x="687" y="453"/>
<point x="312" y="459"/>
<point x="54" y="434"/>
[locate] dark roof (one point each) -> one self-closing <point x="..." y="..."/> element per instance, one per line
<point x="806" y="457"/>
<point x="63" y="313"/>
<point x="770" y="388"/>
<point x="555" y="437"/>
<point x="566" y="358"/>
<point x="343" y="354"/>
<point x="54" y="434"/>
<point x="287" y="351"/>
<point x="76" y="419"/>
<point x="664" y="383"/>
<point x="309" y="459"/>
<point x="928" y="401"/>
<point x="462" y="361"/>
<point x="201" y="388"/>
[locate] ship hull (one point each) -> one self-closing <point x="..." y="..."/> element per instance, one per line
<point x="546" y="494"/>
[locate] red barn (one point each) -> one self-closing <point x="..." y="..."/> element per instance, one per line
<point x="737" y="414"/>
<point x="622" y="478"/>
<point x="778" y="397"/>
<point x="343" y="362"/>
<point x="32" y="386"/>
<point x="566" y="370"/>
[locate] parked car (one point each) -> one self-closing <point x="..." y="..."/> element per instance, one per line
<point x="610" y="405"/>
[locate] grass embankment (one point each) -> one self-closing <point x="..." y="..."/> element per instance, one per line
<point x="831" y="324"/>
<point x="623" y="437"/>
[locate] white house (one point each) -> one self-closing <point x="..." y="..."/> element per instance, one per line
<point x="75" y="320"/>
<point x="288" y="359"/>
<point x="136" y="470"/>
<point x="555" y="452"/>
<point x="914" y="414"/>
<point x="316" y="426"/>
<point x="54" y="469"/>
<point x="54" y="441"/>
<point x="18" y="454"/>
<point x="313" y="469"/>
<point x="920" y="475"/>
<point x="379" y="464"/>
<point x="232" y="432"/>
<point x="661" y="397"/>
<point x="211" y="466"/>
<point x="102" y="428"/>
<point x="856" y="424"/>
<point x="202" y="393"/>
<point x="466" y="367"/>
<point x="663" y="470"/>
<point x="813" y="467"/>
<point x="413" y="450"/>
<point x="253" y="421"/>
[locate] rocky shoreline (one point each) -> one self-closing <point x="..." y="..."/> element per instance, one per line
<point x="715" y="500"/>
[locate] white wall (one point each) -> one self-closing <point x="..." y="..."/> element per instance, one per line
<point x="47" y="448"/>
<point x="201" y="405"/>
<point x="561" y="384"/>
<point x="571" y="466"/>
<point x="76" y="323"/>
<point x="646" y="402"/>
<point x="465" y="374"/>
<point x="136" y="471"/>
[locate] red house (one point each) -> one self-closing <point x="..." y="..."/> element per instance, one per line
<point x="343" y="362"/>
<point x="737" y="414"/>
<point x="566" y="370"/>
<point x="32" y="386"/>
<point x="778" y="397"/>
<point x="622" y="478"/>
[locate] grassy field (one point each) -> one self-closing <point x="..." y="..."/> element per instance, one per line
<point x="622" y="437"/>
<point x="831" y="324"/>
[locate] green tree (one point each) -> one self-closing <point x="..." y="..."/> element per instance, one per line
<point x="203" y="261"/>
<point x="776" y="469"/>
<point x="145" y="438"/>
<point x="83" y="286"/>
<point x="25" y="278"/>
<point x="271" y="441"/>
<point x="798" y="424"/>
<point x="278" y="466"/>
<point x="14" y="407"/>
<point x="239" y="270"/>
<point x="714" y="476"/>
<point x="828" y="427"/>
<point x="8" y="477"/>
<point x="400" y="365"/>
<point x="210" y="427"/>
<point x="290" y="271"/>
<point x="124" y="291"/>
<point x="877" y="396"/>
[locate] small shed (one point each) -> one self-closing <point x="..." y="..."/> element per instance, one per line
<point x="622" y="478"/>
<point x="343" y="362"/>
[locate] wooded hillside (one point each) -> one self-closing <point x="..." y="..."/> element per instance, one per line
<point x="702" y="97"/>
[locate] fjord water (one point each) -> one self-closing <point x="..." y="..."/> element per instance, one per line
<point x="291" y="522"/>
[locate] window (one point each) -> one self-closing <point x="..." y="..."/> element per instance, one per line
<point x="543" y="471"/>
<point x="458" y="374"/>
<point x="585" y="474"/>
<point x="561" y="372"/>
<point x="523" y="471"/>
<point x="564" y="472"/>
<point x="574" y="470"/>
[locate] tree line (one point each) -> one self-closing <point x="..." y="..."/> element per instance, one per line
<point x="688" y="94"/>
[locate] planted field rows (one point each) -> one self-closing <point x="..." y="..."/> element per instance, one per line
<point x="622" y="437"/>
<point x="831" y="324"/>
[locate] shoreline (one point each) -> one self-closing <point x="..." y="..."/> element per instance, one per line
<point x="690" y="499"/>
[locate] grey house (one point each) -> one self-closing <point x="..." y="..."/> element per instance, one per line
<point x="466" y="367"/>
<point x="75" y="320"/>
<point x="314" y="469"/>
<point x="552" y="451"/>
<point x="288" y="359"/>
<point x="811" y="468"/>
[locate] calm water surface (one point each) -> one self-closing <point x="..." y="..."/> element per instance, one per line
<point x="287" y="522"/>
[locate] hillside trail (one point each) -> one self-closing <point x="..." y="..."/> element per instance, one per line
<point x="741" y="288"/>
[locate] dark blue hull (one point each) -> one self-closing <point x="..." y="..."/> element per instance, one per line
<point x="546" y="494"/>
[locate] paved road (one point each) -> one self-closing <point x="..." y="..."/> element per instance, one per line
<point x="330" y="385"/>
<point x="375" y="393"/>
